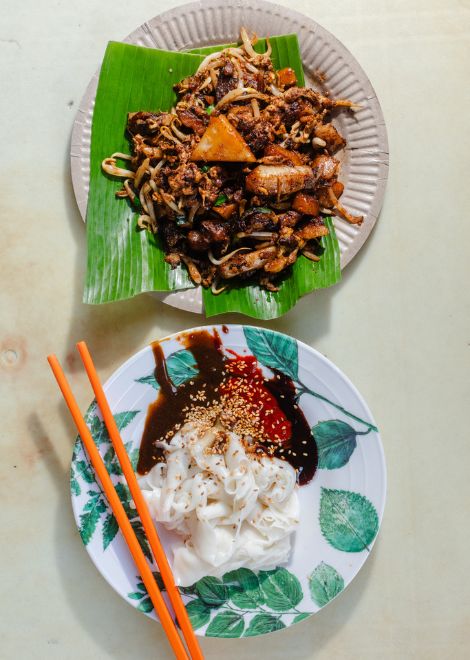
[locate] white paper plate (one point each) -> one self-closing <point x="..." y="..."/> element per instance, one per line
<point x="340" y="509"/>
<point x="364" y="167"/>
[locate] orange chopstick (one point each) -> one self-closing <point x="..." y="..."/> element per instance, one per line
<point x="141" y="506"/>
<point x="120" y="514"/>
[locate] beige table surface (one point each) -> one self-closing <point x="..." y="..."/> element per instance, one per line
<point x="398" y="325"/>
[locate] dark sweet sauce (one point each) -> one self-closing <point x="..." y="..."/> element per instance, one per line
<point x="280" y="418"/>
<point x="166" y="412"/>
<point x="302" y="453"/>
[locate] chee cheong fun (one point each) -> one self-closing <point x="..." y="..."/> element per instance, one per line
<point x="231" y="507"/>
<point x="237" y="177"/>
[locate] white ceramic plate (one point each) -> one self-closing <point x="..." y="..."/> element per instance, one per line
<point x="341" y="508"/>
<point x="364" y="168"/>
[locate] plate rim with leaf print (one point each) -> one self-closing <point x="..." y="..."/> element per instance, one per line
<point x="341" y="508"/>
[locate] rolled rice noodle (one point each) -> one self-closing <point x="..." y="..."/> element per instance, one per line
<point x="232" y="510"/>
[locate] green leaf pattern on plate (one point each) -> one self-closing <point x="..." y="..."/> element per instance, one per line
<point x="301" y="617"/>
<point x="145" y="605"/>
<point x="281" y="589"/>
<point x="82" y="478"/>
<point x="74" y="485"/>
<point x="264" y="623"/>
<point x="92" y="511"/>
<point x="274" y="350"/>
<point x="348" y="520"/>
<point x="148" y="380"/>
<point x="84" y="471"/>
<point x="141" y="537"/>
<point x="125" y="496"/>
<point x="212" y="591"/>
<point x="278" y="351"/>
<point x="244" y="588"/>
<point x="199" y="613"/>
<point x="270" y="598"/>
<point x="180" y="366"/>
<point x="336" y="441"/>
<point x="226" y="624"/>
<point x="110" y="529"/>
<point x="325" y="583"/>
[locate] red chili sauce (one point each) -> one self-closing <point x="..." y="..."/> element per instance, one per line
<point x="272" y="402"/>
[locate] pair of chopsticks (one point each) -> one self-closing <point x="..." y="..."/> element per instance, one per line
<point x="159" y="554"/>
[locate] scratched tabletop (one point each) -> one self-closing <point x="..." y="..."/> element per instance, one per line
<point x="398" y="325"/>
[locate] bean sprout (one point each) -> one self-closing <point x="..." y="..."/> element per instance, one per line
<point x="142" y="200"/>
<point x="213" y="59"/>
<point x="214" y="78"/>
<point x="130" y="192"/>
<point x="240" y="94"/>
<point x="179" y="134"/>
<point x="109" y="166"/>
<point x="247" y="43"/>
<point x="256" y="234"/>
<point x="192" y="212"/>
<point x="144" y="222"/>
<point x="255" y="108"/>
<point x="118" y="154"/>
<point x="310" y="255"/>
<point x="141" y="171"/>
<point x="166" y="132"/>
<point x="206" y="82"/>
<point x="169" y="202"/>
<point x="215" y="289"/>
<point x="225" y="258"/>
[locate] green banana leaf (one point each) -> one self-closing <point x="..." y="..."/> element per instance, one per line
<point x="306" y="276"/>
<point x="123" y="262"/>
